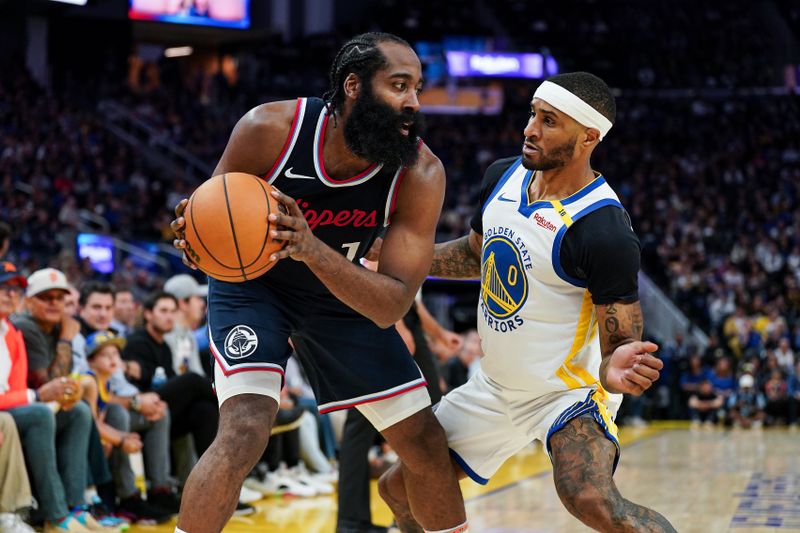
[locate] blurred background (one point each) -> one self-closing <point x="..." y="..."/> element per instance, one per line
<point x="111" y="111"/>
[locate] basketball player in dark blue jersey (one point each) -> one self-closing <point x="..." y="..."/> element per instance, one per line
<point x="355" y="166"/>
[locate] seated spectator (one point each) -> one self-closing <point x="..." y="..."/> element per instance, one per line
<point x="692" y="377"/>
<point x="53" y="426"/>
<point x="705" y="403"/>
<point x="777" y="396"/>
<point x="124" y="312"/>
<point x="722" y="377"/>
<point x="103" y="351"/>
<point x="192" y="403"/>
<point x="95" y="313"/>
<point x="746" y="405"/>
<point x="785" y="356"/>
<point x="48" y="331"/>
<point x="191" y="298"/>
<point x="15" y="488"/>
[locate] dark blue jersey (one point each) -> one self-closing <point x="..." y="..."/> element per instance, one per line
<point x="346" y="214"/>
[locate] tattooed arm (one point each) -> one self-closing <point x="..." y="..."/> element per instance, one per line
<point x="627" y="365"/>
<point x="458" y="259"/>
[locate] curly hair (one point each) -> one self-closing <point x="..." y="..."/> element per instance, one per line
<point x="360" y="56"/>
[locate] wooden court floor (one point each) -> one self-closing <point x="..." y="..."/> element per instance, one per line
<point x="703" y="480"/>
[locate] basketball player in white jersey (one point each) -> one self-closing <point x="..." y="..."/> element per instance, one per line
<point x="558" y="316"/>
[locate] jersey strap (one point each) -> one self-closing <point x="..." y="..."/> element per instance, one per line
<point x="291" y="140"/>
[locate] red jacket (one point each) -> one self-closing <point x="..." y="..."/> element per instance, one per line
<point x="17" y="393"/>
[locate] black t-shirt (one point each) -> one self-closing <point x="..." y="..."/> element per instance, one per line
<point x="144" y="349"/>
<point x="600" y="248"/>
<point x="40" y="346"/>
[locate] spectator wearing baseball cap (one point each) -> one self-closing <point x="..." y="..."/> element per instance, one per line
<point x="48" y="331"/>
<point x="191" y="297"/>
<point x="58" y="484"/>
<point x="122" y="431"/>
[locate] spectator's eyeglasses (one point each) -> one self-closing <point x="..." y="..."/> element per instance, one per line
<point x="51" y="297"/>
<point x="11" y="289"/>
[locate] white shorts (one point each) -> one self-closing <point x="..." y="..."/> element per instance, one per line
<point x="486" y="424"/>
<point x="381" y="413"/>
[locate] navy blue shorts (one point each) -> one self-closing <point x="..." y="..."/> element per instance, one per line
<point x="347" y="358"/>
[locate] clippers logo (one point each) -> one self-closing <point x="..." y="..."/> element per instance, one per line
<point x="240" y="342"/>
<point x="504" y="284"/>
<point x="543" y="222"/>
<point x="346" y="217"/>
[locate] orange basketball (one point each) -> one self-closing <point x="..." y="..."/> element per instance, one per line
<point x="227" y="229"/>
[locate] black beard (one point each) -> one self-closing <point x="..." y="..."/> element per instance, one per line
<point x="372" y="131"/>
<point x="557" y="158"/>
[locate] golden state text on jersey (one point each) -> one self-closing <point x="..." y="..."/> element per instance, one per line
<point x="504" y="283"/>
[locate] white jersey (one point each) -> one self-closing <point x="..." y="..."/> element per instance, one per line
<point x="537" y="324"/>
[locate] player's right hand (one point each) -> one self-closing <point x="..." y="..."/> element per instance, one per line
<point x="631" y="368"/>
<point x="178" y="227"/>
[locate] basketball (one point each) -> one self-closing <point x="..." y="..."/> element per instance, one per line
<point x="227" y="227"/>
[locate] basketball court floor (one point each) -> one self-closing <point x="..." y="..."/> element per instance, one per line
<point x="703" y="480"/>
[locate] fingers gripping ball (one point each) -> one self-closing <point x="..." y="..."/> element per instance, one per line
<point x="228" y="229"/>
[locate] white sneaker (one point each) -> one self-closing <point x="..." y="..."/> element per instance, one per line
<point x="285" y="483"/>
<point x="13" y="523"/>
<point x="300" y="474"/>
<point x="247" y="495"/>
<point x="326" y="477"/>
<point x="260" y="485"/>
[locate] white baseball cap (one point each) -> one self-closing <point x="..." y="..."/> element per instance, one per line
<point x="45" y="280"/>
<point x="184" y="286"/>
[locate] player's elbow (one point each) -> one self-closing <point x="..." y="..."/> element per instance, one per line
<point x="384" y="324"/>
<point x="388" y="315"/>
<point x="388" y="319"/>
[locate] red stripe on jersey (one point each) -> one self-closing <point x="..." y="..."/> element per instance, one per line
<point x="322" y="163"/>
<point x="295" y="125"/>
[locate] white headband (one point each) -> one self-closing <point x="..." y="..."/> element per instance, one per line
<point x="568" y="103"/>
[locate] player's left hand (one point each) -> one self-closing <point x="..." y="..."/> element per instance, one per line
<point x="631" y="368"/>
<point x="292" y="228"/>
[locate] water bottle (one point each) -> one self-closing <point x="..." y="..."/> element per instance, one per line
<point x="159" y="378"/>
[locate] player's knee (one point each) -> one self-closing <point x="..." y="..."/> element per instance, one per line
<point x="590" y="505"/>
<point x="243" y="442"/>
<point x="244" y="428"/>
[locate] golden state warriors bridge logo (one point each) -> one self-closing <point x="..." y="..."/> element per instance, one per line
<point x="504" y="284"/>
